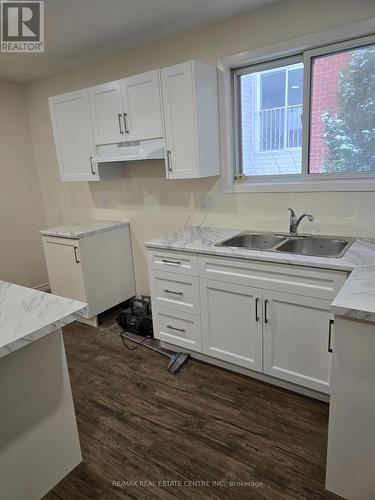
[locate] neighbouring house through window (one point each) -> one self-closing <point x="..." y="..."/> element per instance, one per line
<point x="271" y="120"/>
<point x="334" y="137"/>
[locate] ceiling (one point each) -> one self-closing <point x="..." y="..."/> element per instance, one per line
<point x="78" y="31"/>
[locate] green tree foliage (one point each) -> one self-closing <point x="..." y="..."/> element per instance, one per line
<point x="350" y="132"/>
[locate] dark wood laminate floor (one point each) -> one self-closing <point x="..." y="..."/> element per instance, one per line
<point x="140" y="424"/>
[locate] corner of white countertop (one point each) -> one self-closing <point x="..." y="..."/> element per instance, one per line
<point x="26" y="315"/>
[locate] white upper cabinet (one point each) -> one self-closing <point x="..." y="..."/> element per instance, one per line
<point x="107" y="113"/>
<point x="72" y="129"/>
<point x="127" y="110"/>
<point x="179" y="103"/>
<point x="191" y="122"/>
<point x="142" y="106"/>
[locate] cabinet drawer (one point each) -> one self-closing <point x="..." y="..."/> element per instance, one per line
<point x="311" y="282"/>
<point x="178" y="328"/>
<point x="178" y="292"/>
<point x="175" y="262"/>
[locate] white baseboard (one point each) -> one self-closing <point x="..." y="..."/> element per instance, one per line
<point x="44" y="287"/>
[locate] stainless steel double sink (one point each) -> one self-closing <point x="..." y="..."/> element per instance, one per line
<point x="317" y="246"/>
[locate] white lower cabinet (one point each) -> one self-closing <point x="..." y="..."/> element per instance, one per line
<point x="231" y="322"/>
<point x="270" y="318"/>
<point x="295" y="339"/>
<point x="97" y="269"/>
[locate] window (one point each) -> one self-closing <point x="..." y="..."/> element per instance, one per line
<point x="271" y="120"/>
<point x="306" y="118"/>
<point x="342" y="119"/>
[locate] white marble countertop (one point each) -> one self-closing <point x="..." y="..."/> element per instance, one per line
<point x="27" y="315"/>
<point x="356" y="299"/>
<point x="80" y="230"/>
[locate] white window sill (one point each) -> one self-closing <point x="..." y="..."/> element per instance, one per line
<point x="302" y="186"/>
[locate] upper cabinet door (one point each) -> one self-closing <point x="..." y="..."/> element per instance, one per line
<point x="74" y="140"/>
<point x="107" y="113"/>
<point x="142" y="106"/>
<point x="178" y="102"/>
<point x="191" y="117"/>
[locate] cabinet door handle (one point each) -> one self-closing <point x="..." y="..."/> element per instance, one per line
<point x="169" y="160"/>
<point x="175" y="293"/>
<point x="265" y="311"/>
<point x="92" y="166"/>
<point x="331" y="322"/>
<point x="174" y="262"/>
<point x="76" y="255"/>
<point x="182" y="330"/>
<point x="125" y="115"/>
<point x="256" y="309"/>
<point x="119" y="123"/>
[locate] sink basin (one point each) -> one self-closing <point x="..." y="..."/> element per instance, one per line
<point x="256" y="241"/>
<point x="316" y="246"/>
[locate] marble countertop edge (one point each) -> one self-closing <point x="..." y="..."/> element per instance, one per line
<point x="81" y="230"/>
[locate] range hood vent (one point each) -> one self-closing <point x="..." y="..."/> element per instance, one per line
<point x="151" y="149"/>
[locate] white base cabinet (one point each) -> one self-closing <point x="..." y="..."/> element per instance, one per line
<point x="96" y="269"/>
<point x="269" y="318"/>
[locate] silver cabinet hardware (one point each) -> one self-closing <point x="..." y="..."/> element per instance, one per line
<point x="173" y="262"/>
<point x="177" y="329"/>
<point x="331" y="322"/>
<point x="175" y="293"/>
<point x="92" y="165"/>
<point x="76" y="255"/>
<point x="169" y="160"/>
<point x="119" y="123"/>
<point x="256" y="309"/>
<point x="265" y="311"/>
<point x="125" y="115"/>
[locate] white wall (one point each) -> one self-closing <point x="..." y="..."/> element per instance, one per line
<point x="145" y="198"/>
<point x="21" y="211"/>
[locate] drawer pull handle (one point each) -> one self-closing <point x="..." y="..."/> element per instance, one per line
<point x="265" y="311"/>
<point x="331" y="322"/>
<point x="176" y="329"/>
<point x="173" y="262"/>
<point x="172" y="291"/>
<point x="256" y="309"/>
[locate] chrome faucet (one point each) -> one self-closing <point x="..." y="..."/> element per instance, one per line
<point x="294" y="222"/>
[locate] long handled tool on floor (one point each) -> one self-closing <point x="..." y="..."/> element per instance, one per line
<point x="176" y="359"/>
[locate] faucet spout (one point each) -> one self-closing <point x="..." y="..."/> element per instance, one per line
<point x="294" y="222"/>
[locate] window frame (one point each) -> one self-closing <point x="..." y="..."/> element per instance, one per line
<point x="305" y="48"/>
<point x="236" y="73"/>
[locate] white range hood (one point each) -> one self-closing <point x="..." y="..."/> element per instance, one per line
<point x="151" y="149"/>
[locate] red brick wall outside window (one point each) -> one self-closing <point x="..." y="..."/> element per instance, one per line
<point x="325" y="84"/>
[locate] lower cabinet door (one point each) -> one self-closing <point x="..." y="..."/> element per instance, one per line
<point x="64" y="268"/>
<point x="232" y="323"/>
<point x="177" y="328"/>
<point x="295" y="339"/>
